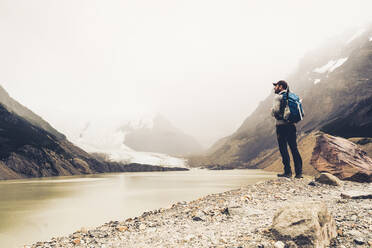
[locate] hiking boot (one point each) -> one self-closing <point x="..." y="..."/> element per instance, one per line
<point x="299" y="176"/>
<point x="289" y="175"/>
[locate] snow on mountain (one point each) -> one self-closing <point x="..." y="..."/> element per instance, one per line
<point x="331" y="65"/>
<point x="338" y="64"/>
<point x="97" y="137"/>
<point x="316" y="81"/>
<point x="325" y="67"/>
<point x="356" y="35"/>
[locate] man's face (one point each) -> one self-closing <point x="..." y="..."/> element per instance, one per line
<point x="278" y="88"/>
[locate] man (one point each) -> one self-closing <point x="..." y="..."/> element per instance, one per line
<point x="286" y="132"/>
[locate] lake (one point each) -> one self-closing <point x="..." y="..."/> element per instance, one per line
<point x="34" y="210"/>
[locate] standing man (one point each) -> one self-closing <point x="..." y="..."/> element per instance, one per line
<point x="286" y="132"/>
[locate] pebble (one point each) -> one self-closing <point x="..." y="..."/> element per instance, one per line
<point x="359" y="241"/>
<point x="196" y="218"/>
<point x="76" y="241"/>
<point x="142" y="227"/>
<point x="279" y="244"/>
<point x="353" y="217"/>
<point x="122" y="228"/>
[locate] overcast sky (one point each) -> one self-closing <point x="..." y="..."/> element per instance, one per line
<point x="203" y="64"/>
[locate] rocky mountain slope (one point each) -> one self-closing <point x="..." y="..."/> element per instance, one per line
<point x="20" y="110"/>
<point x="335" y="83"/>
<point x="161" y="137"/>
<point x="30" y="147"/>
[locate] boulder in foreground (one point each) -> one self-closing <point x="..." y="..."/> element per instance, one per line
<point x="308" y="224"/>
<point x="341" y="158"/>
<point x="354" y="194"/>
<point x="326" y="178"/>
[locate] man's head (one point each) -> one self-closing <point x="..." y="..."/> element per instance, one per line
<point x="280" y="86"/>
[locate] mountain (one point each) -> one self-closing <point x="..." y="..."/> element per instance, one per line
<point x="160" y="137"/>
<point x="335" y="83"/>
<point x="20" y="110"/>
<point x="30" y="147"/>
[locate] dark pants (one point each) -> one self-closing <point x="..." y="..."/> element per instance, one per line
<point x="286" y="134"/>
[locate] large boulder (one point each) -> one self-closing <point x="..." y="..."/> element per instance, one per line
<point x="326" y="178"/>
<point x="308" y="224"/>
<point x="341" y="158"/>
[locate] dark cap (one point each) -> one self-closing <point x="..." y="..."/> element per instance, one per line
<point x="282" y="83"/>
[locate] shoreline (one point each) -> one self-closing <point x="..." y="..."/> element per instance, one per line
<point x="129" y="168"/>
<point x="174" y="169"/>
<point x="235" y="218"/>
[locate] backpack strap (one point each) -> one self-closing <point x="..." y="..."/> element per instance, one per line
<point x="283" y="104"/>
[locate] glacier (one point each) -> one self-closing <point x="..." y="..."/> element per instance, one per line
<point x="98" y="137"/>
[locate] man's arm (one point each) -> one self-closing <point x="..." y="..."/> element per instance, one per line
<point x="278" y="107"/>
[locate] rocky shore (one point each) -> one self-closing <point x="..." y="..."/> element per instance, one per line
<point x="237" y="218"/>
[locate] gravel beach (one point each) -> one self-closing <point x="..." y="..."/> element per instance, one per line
<point x="236" y="218"/>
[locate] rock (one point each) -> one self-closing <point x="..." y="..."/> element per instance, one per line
<point x="76" y="241"/>
<point x="279" y="244"/>
<point x="359" y="241"/>
<point x="97" y="234"/>
<point x="326" y="178"/>
<point x="244" y="211"/>
<point x="356" y="195"/>
<point x="246" y="198"/>
<point x="312" y="183"/>
<point x="196" y="218"/>
<point x="77" y="235"/>
<point x="225" y="211"/>
<point x="308" y="224"/>
<point x="341" y="158"/>
<point x="198" y="215"/>
<point x="122" y="228"/>
<point x="354" y="233"/>
<point x="290" y="244"/>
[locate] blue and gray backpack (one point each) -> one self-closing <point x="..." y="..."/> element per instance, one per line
<point x="293" y="111"/>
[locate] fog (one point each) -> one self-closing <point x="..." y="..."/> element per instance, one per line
<point x="204" y="64"/>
